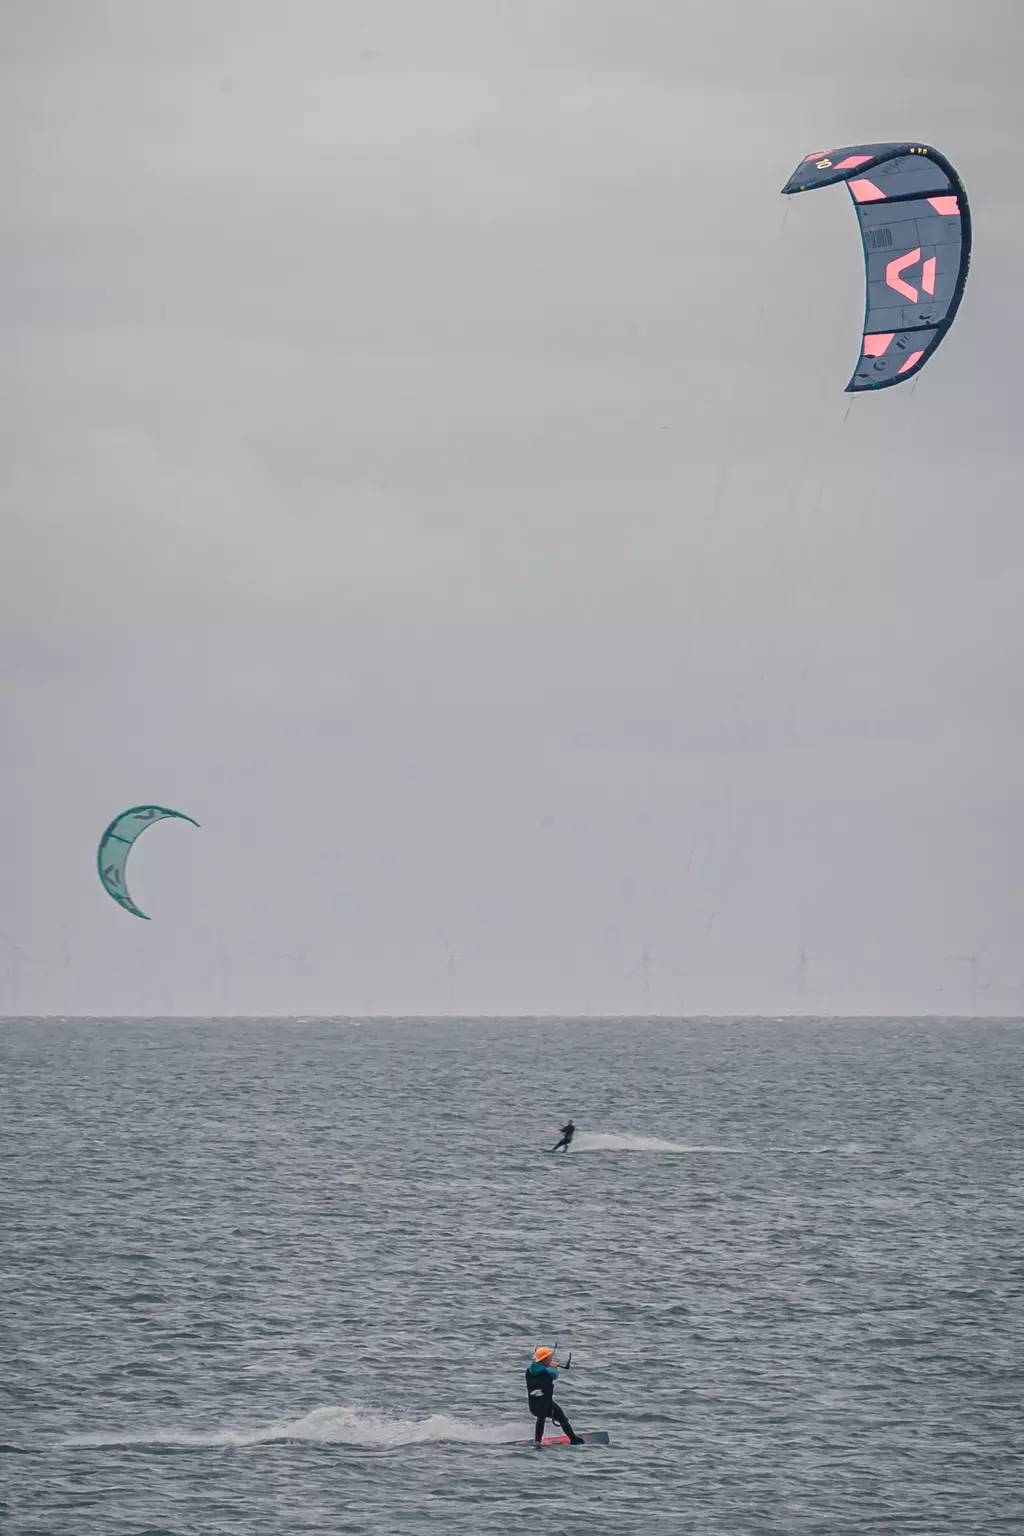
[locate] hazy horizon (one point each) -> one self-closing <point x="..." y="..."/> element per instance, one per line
<point x="359" y="1019"/>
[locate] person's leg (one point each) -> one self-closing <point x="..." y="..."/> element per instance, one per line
<point x="539" y="1428"/>
<point x="563" y="1423"/>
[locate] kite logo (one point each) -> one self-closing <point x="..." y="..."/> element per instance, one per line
<point x="823" y="165"/>
<point x="865" y="191"/>
<point x="947" y="206"/>
<point x="877" y="344"/>
<point x="897" y="265"/>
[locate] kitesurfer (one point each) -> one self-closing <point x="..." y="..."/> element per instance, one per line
<point x="568" y="1131"/>
<point x="541" y="1374"/>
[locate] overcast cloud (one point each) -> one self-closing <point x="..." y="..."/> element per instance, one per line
<point x="425" y="462"/>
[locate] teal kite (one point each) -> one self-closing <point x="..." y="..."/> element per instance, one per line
<point x="116" y="845"/>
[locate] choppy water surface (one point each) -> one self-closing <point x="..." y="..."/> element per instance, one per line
<point x="285" y="1277"/>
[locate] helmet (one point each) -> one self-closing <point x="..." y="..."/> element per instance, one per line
<point x="542" y="1352"/>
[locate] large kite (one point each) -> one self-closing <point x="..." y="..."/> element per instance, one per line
<point x="116" y="845"/>
<point x="916" y="228"/>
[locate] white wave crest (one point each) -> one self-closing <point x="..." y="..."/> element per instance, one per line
<point x="609" y="1141"/>
<point x="324" y="1426"/>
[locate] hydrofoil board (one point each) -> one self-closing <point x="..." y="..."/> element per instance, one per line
<point x="588" y="1436"/>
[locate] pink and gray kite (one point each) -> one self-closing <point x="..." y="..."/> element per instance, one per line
<point x="916" y="229"/>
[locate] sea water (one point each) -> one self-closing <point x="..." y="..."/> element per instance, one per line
<point x="285" y="1277"/>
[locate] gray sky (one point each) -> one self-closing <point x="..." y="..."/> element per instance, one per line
<point x="425" y="462"/>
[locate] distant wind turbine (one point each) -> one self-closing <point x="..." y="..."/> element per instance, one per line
<point x="14" y="953"/>
<point x="299" y="958"/>
<point x="976" y="985"/>
<point x="66" y="959"/>
<point x="450" y="973"/>
<point x="644" y="964"/>
<point x="799" y="973"/>
<point x="226" y="962"/>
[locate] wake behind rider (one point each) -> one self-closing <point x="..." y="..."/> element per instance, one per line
<point x="541" y="1374"/>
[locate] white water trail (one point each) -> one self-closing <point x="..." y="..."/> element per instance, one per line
<point x="611" y="1141"/>
<point x="324" y="1426"/>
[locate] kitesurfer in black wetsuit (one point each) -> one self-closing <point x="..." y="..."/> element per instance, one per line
<point x="568" y="1131"/>
<point x="540" y="1384"/>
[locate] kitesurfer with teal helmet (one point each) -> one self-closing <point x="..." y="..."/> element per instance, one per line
<point x="541" y="1375"/>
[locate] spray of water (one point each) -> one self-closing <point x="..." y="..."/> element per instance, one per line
<point x="610" y="1141"/>
<point x="324" y="1426"/>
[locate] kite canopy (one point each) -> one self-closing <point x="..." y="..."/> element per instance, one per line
<point x="116" y="845"/>
<point x="916" y="227"/>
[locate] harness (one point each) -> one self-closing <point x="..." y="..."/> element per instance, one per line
<point x="540" y="1389"/>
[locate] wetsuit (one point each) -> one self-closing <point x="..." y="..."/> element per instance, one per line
<point x="540" y="1384"/>
<point x="568" y="1132"/>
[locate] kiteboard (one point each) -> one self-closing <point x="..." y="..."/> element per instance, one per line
<point x="588" y="1436"/>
